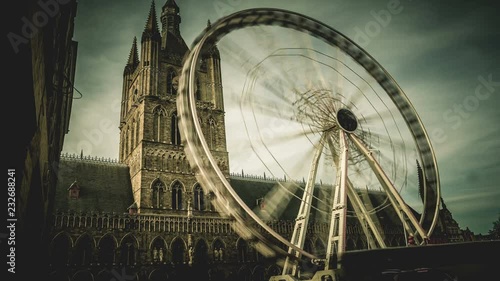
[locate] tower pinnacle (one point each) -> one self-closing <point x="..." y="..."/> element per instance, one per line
<point x="171" y="4"/>
<point x="133" y="57"/>
<point x="170" y="18"/>
<point x="151" y="29"/>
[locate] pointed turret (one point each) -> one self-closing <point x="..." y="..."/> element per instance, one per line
<point x="171" y="4"/>
<point x="170" y="18"/>
<point x="211" y="57"/>
<point x="212" y="50"/>
<point x="150" y="48"/>
<point x="171" y="39"/>
<point x="128" y="72"/>
<point x="133" y="59"/>
<point x="151" y="30"/>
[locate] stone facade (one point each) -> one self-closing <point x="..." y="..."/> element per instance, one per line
<point x="150" y="142"/>
<point x="99" y="234"/>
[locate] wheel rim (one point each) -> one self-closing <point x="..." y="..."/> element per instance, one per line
<point x="212" y="178"/>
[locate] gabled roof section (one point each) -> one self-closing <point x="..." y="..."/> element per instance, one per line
<point x="104" y="186"/>
<point x="250" y="190"/>
<point x="175" y="46"/>
<point x="133" y="206"/>
<point x="74" y="185"/>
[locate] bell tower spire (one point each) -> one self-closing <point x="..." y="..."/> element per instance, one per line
<point x="170" y="18"/>
<point x="151" y="29"/>
<point x="128" y="73"/>
<point x="150" y="48"/>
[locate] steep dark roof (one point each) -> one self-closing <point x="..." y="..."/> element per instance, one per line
<point x="251" y="189"/>
<point x="171" y="3"/>
<point x="104" y="186"/>
<point x="175" y="44"/>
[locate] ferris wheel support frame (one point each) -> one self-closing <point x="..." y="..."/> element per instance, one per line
<point x="394" y="197"/>
<point x="302" y="220"/>
<point x="338" y="218"/>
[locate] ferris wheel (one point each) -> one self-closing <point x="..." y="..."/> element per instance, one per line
<point x="310" y="105"/>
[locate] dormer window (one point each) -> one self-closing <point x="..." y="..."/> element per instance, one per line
<point x="74" y="190"/>
<point x="260" y="203"/>
<point x="132" y="209"/>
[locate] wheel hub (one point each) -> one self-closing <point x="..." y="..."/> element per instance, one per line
<point x="347" y="120"/>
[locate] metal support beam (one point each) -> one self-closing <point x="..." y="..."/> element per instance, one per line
<point x="337" y="233"/>
<point x="302" y="220"/>
<point x="369" y="227"/>
<point x="393" y="195"/>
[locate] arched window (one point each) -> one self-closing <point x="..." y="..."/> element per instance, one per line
<point x="219" y="251"/>
<point x="259" y="273"/>
<point x="129" y="140"/>
<point x="82" y="275"/>
<point x="133" y="133"/>
<point x="212" y="134"/>
<point x="171" y="87"/>
<point x="159" y="124"/>
<point x="158" y="191"/>
<point x="320" y="248"/>
<point x="178" y="250"/>
<point x="198" y="89"/>
<point x="158" y="250"/>
<point x="308" y="246"/>
<point x="125" y="141"/>
<point x="122" y="146"/>
<point x="126" y="104"/>
<point x="60" y="250"/>
<point x="127" y="251"/>
<point x="82" y="254"/>
<point x="175" y="136"/>
<point x="242" y="248"/>
<point x="105" y="275"/>
<point x="244" y="274"/>
<point x="106" y="250"/>
<point x="158" y="274"/>
<point x="200" y="252"/>
<point x="273" y="270"/>
<point x="135" y="97"/>
<point x="177" y="196"/>
<point x="137" y="131"/>
<point x="199" y="198"/>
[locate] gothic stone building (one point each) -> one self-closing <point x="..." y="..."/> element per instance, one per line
<point x="145" y="217"/>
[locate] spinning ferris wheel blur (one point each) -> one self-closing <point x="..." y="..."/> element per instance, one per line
<point x="337" y="119"/>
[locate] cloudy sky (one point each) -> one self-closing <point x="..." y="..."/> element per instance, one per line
<point x="443" y="54"/>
